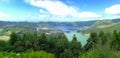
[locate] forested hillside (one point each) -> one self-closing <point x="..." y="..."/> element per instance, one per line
<point x="29" y="45"/>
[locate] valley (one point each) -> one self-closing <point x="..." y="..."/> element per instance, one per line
<point x="53" y="39"/>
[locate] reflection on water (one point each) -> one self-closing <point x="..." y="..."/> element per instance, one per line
<point x="80" y="37"/>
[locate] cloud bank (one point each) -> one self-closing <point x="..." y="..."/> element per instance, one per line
<point x="56" y="8"/>
<point x="88" y="15"/>
<point x="114" y="10"/>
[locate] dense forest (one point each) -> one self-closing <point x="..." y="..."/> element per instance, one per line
<point x="30" y="45"/>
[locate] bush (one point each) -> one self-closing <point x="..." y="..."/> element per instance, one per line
<point x="90" y="54"/>
<point x="32" y="54"/>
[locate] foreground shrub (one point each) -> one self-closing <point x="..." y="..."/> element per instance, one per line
<point x="32" y="54"/>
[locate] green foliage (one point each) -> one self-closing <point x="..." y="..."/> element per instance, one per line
<point x="74" y="38"/>
<point x="99" y="45"/>
<point x="100" y="52"/>
<point x="13" y="38"/>
<point x="75" y="47"/>
<point x="90" y="54"/>
<point x="43" y="42"/>
<point x="66" y="54"/>
<point x="115" y="43"/>
<point x="3" y="45"/>
<point x="91" y="41"/>
<point x="32" y="54"/>
<point x="102" y="46"/>
<point x="102" y="37"/>
<point x="59" y="45"/>
<point x="40" y="54"/>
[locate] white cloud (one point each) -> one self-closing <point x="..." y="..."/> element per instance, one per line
<point x="43" y="14"/>
<point x="114" y="9"/>
<point x="4" y="15"/>
<point x="57" y="8"/>
<point x="88" y="15"/>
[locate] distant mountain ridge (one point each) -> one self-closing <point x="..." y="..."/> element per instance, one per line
<point x="50" y="24"/>
<point x="31" y="26"/>
<point x="54" y="24"/>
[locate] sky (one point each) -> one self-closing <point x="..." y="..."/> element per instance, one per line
<point x="58" y="10"/>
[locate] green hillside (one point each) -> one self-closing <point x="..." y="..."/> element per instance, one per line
<point x="96" y="27"/>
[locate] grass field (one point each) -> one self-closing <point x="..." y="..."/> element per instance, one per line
<point x="105" y="28"/>
<point x="5" y="38"/>
<point x="1" y="30"/>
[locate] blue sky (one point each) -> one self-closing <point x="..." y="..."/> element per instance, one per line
<point x="58" y="10"/>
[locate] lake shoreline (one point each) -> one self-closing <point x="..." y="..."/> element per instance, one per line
<point x="80" y="37"/>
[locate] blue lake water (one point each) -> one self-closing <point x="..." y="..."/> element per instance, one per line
<point x="80" y="37"/>
<point x="66" y="28"/>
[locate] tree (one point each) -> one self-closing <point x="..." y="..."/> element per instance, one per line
<point x="43" y="42"/>
<point x="74" y="38"/>
<point x="102" y="38"/>
<point x="75" y="47"/>
<point x="66" y="54"/>
<point x="91" y="41"/>
<point x="52" y="41"/>
<point x="115" y="44"/>
<point x="3" y="45"/>
<point x="13" y="38"/>
<point x="61" y="45"/>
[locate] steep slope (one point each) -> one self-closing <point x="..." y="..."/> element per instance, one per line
<point x="102" y="27"/>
